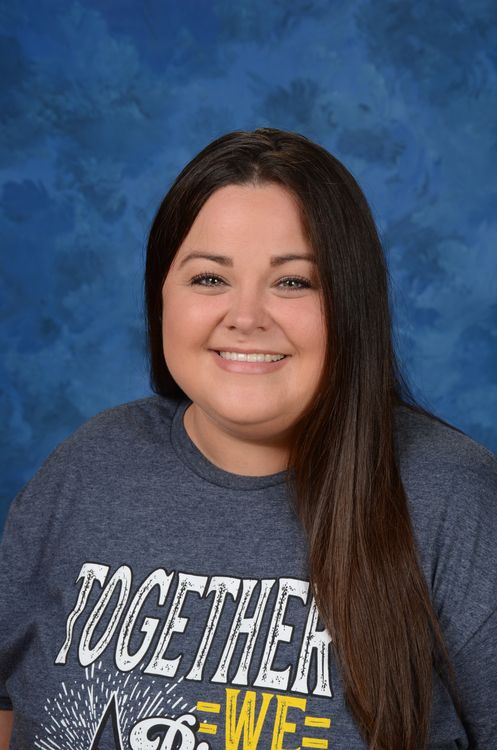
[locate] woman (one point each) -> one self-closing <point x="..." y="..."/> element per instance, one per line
<point x="279" y="548"/>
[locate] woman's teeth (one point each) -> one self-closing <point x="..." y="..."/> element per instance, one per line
<point x="251" y="357"/>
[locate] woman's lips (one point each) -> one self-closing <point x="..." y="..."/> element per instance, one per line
<point x="247" y="368"/>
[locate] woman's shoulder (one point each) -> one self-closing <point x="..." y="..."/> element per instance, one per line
<point x="451" y="484"/>
<point x="109" y="440"/>
<point x="142" y="420"/>
<point x="129" y="415"/>
<point x="122" y="442"/>
<point x="428" y="447"/>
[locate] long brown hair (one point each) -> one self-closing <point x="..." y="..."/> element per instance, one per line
<point x="347" y="490"/>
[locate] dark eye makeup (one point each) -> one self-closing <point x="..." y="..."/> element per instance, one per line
<point x="199" y="278"/>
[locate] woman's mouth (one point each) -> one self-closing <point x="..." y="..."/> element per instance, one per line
<point x="249" y="363"/>
<point x="250" y="356"/>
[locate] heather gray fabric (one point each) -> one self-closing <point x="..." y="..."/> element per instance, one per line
<point x="151" y="600"/>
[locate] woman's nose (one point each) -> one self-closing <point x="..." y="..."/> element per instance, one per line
<point x="247" y="309"/>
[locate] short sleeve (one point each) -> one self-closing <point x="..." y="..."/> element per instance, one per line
<point x="24" y="556"/>
<point x="476" y="671"/>
<point x="464" y="572"/>
<point x="464" y="580"/>
<point x="451" y="483"/>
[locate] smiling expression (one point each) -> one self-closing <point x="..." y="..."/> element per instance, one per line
<point x="244" y="280"/>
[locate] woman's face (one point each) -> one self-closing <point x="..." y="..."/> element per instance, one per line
<point x="247" y="297"/>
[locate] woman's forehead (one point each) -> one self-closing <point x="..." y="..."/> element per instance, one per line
<point x="240" y="218"/>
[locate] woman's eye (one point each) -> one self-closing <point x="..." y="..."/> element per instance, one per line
<point x="304" y="283"/>
<point x="290" y="283"/>
<point x="204" y="277"/>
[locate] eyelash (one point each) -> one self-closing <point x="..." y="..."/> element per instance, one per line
<point x="306" y="283"/>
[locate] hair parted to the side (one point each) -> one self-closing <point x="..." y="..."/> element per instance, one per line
<point x="363" y="565"/>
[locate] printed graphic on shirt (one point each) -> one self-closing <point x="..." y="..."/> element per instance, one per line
<point x="151" y="698"/>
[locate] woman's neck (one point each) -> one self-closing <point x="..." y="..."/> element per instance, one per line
<point x="239" y="451"/>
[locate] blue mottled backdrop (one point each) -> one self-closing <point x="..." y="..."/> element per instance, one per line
<point x="102" y="103"/>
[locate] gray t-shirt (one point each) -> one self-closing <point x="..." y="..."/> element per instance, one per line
<point x="150" y="600"/>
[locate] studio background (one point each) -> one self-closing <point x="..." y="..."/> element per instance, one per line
<point x="102" y="104"/>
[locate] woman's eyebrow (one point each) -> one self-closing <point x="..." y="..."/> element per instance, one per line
<point x="225" y="260"/>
